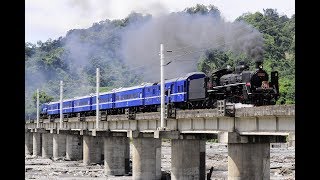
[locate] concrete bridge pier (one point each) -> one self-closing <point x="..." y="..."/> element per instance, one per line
<point x="59" y="145"/>
<point x="248" y="161"/>
<point x="188" y="159"/>
<point x="47" y="145"/>
<point x="36" y="140"/>
<point x="292" y="140"/>
<point x="92" y="149"/>
<point x="116" y="155"/>
<point x="74" y="147"/>
<point x="249" y="156"/>
<point x="28" y="143"/>
<point x="146" y="157"/>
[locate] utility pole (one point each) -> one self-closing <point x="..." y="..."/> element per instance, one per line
<point x="61" y="104"/>
<point x="97" y="99"/>
<point x="162" y="87"/>
<point x="37" y="108"/>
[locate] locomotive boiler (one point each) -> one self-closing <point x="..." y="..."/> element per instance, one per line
<point x="239" y="85"/>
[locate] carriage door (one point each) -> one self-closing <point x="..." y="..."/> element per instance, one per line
<point x="171" y="92"/>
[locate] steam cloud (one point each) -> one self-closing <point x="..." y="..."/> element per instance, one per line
<point x="187" y="36"/>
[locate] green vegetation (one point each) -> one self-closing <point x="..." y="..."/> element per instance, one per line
<point x="279" y="35"/>
<point x="75" y="57"/>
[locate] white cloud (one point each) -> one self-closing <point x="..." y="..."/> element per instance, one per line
<point x="50" y="19"/>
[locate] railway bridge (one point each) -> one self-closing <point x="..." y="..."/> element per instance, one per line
<point x="247" y="131"/>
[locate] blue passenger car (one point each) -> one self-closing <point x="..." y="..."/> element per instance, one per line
<point x="44" y="109"/>
<point x="67" y="106"/>
<point x="179" y="93"/>
<point x="129" y="97"/>
<point x="187" y="88"/>
<point x="105" y="101"/>
<point x="53" y="108"/>
<point x="152" y="94"/>
<point x="82" y="104"/>
<point x="193" y="85"/>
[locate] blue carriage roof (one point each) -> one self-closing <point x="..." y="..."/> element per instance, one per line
<point x="150" y="84"/>
<point x="69" y="99"/>
<point x="127" y="88"/>
<point x="63" y="100"/>
<point x="54" y="102"/>
<point x="82" y="97"/>
<point x="190" y="75"/>
<point x="101" y="93"/>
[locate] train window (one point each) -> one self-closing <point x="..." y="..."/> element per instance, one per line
<point x="153" y="91"/>
<point x="159" y="88"/>
<point x="178" y="88"/>
<point x="171" y="89"/>
<point x="148" y="89"/>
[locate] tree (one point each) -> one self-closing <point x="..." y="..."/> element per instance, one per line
<point x="279" y="35"/>
<point x="204" y="10"/>
<point x="212" y="60"/>
<point x="43" y="98"/>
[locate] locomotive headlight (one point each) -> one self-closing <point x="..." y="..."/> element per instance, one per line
<point x="265" y="84"/>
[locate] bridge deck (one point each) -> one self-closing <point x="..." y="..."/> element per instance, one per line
<point x="264" y="120"/>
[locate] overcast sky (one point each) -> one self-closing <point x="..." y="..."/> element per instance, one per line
<point x="46" y="19"/>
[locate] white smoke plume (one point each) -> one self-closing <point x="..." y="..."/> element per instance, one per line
<point x="188" y="36"/>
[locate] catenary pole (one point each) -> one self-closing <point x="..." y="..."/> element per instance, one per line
<point x="97" y="98"/>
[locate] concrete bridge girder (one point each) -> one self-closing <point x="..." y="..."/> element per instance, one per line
<point x="250" y="129"/>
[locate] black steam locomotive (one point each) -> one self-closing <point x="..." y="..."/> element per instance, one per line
<point x="239" y="85"/>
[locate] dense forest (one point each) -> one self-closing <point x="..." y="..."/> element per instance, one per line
<point x="74" y="58"/>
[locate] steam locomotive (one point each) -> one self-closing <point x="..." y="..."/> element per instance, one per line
<point x="193" y="91"/>
<point x="239" y="85"/>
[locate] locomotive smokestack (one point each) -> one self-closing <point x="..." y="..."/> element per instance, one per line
<point x="258" y="64"/>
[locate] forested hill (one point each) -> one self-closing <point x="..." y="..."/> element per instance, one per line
<point x="119" y="47"/>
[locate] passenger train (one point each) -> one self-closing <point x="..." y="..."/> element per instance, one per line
<point x="193" y="91"/>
